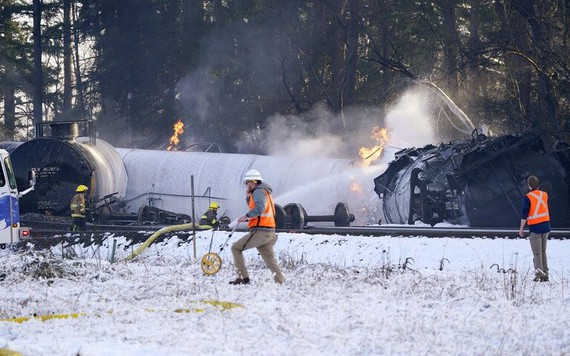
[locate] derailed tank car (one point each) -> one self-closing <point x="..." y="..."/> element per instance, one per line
<point x="479" y="182"/>
<point x="140" y="186"/>
<point x="64" y="161"/>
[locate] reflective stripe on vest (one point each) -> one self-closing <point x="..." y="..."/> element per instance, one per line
<point x="538" y="212"/>
<point x="77" y="206"/>
<point x="267" y="218"/>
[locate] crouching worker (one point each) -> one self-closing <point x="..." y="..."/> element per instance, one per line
<point x="210" y="217"/>
<point x="261" y="225"/>
<point x="77" y="208"/>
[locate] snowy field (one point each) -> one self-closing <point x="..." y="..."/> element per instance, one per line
<point x="344" y="295"/>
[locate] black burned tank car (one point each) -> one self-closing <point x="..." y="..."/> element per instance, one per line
<point x="63" y="162"/>
<point x="478" y="182"/>
<point x="60" y="167"/>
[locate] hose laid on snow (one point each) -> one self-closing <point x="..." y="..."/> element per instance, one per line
<point x="157" y="234"/>
<point x="7" y="352"/>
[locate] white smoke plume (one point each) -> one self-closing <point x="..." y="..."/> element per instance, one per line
<point x="411" y="122"/>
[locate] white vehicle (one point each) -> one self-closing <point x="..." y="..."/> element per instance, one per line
<point x="9" y="201"/>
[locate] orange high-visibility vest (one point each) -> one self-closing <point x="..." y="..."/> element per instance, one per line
<point x="267" y="218"/>
<point x="538" y="212"/>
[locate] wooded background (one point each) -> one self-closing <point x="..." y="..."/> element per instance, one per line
<point x="224" y="66"/>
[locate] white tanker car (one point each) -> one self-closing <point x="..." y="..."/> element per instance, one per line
<point x="138" y="185"/>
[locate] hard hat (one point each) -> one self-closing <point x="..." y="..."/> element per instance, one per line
<point x="214" y="205"/>
<point x="252" y="174"/>
<point x="81" y="188"/>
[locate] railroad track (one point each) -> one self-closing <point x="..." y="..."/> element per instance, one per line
<point x="435" y="232"/>
<point x="140" y="233"/>
<point x="49" y="233"/>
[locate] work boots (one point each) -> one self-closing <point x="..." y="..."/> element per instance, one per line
<point x="540" y="277"/>
<point x="240" y="281"/>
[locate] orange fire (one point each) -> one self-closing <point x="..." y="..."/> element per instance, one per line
<point x="370" y="154"/>
<point x="174" y="140"/>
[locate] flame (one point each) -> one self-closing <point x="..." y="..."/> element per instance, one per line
<point x="370" y="154"/>
<point x="174" y="140"/>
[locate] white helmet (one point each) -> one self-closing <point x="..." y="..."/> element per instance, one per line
<point x="252" y="174"/>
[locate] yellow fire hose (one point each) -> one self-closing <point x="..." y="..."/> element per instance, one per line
<point x="222" y="305"/>
<point x="44" y="317"/>
<point x="157" y="234"/>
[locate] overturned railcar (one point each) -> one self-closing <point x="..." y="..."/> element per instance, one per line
<point x="478" y="182"/>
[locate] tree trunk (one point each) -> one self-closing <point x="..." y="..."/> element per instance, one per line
<point x="545" y="96"/>
<point x="78" y="84"/>
<point x="353" y="29"/>
<point x="477" y="78"/>
<point x="67" y="94"/>
<point x="450" y="44"/>
<point x="518" y="75"/>
<point x="545" y="109"/>
<point x="9" y="113"/>
<point x="344" y="53"/>
<point x="337" y="45"/>
<point x="38" y="84"/>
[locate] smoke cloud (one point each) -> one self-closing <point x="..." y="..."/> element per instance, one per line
<point x="196" y="93"/>
<point x="412" y="121"/>
<point x="409" y="122"/>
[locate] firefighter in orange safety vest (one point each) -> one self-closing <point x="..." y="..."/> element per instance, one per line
<point x="261" y="225"/>
<point x="534" y="212"/>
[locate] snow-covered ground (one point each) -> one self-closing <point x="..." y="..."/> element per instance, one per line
<point x="344" y="295"/>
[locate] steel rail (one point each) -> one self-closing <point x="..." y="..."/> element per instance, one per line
<point x="374" y="230"/>
<point x="434" y="232"/>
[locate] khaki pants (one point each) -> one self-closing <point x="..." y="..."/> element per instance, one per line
<point x="538" y="247"/>
<point x="264" y="241"/>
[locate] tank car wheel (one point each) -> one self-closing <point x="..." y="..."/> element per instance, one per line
<point x="297" y="215"/>
<point x="280" y="217"/>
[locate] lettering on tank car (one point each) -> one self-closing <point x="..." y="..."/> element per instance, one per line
<point x="45" y="172"/>
<point x="46" y="204"/>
